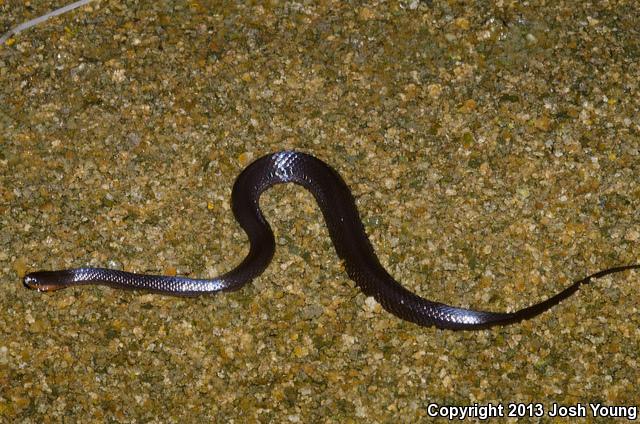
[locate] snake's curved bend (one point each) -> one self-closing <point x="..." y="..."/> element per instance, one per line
<point x="349" y="238"/>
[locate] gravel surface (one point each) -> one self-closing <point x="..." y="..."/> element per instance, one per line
<point x="493" y="152"/>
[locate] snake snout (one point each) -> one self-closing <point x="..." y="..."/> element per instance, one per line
<point x="31" y="281"/>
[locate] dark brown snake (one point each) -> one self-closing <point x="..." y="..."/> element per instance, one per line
<point x="349" y="238"/>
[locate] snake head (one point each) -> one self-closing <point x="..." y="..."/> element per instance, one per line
<point x="43" y="281"/>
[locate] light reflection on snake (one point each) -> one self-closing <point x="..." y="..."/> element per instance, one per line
<point x="349" y="238"/>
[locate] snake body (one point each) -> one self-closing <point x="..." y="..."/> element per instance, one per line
<point x="347" y="233"/>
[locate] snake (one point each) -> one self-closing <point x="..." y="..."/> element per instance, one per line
<point x="350" y="240"/>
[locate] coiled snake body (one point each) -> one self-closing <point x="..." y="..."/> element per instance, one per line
<point x="349" y="238"/>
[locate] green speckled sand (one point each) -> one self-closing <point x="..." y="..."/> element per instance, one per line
<point x="494" y="154"/>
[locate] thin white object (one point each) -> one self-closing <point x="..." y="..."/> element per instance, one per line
<point x="36" y="21"/>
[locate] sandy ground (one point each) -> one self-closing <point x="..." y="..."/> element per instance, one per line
<point x="493" y="152"/>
